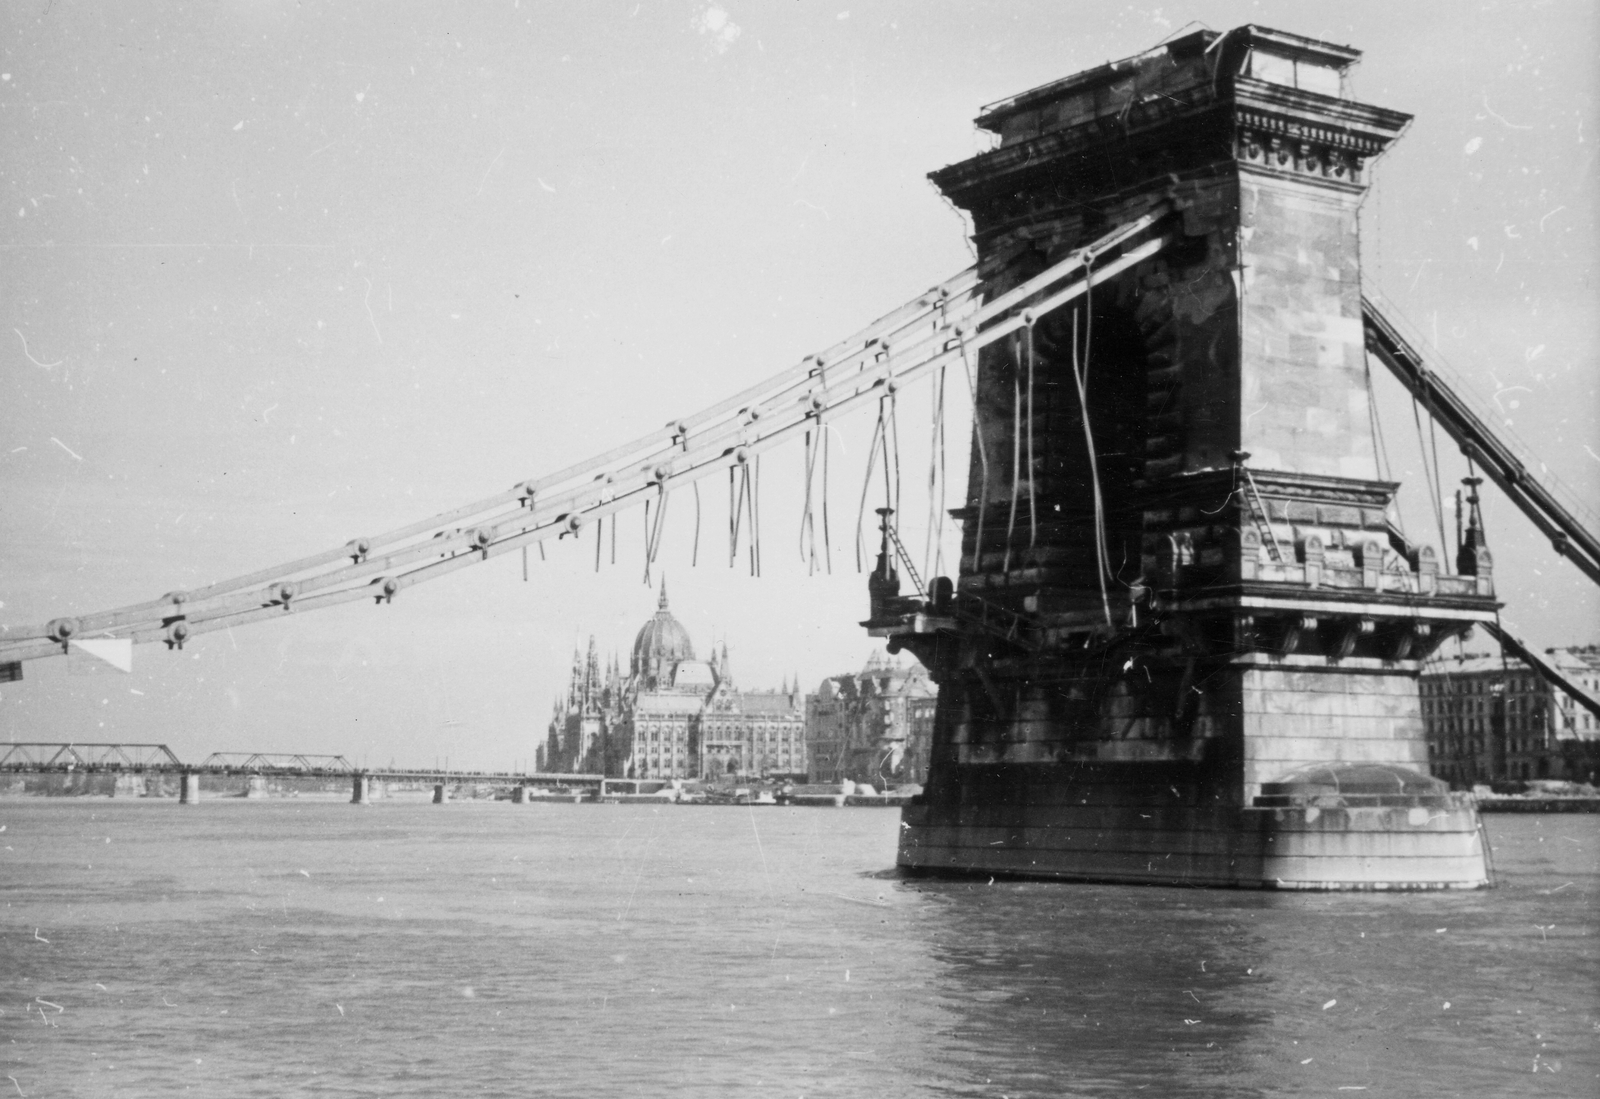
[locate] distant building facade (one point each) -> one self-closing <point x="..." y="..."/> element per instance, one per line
<point x="874" y="726"/>
<point x="672" y="715"/>
<point x="1490" y="720"/>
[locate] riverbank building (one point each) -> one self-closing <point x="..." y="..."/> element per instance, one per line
<point x="1490" y="719"/>
<point x="873" y="726"/>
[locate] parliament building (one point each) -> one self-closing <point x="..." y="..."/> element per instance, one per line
<point x="672" y="715"/>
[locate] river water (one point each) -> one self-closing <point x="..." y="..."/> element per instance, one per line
<point x="242" y="948"/>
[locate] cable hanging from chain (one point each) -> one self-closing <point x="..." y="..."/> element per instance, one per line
<point x="866" y="481"/>
<point x="815" y="440"/>
<point x="1028" y="321"/>
<point x="933" y="543"/>
<point x="977" y="433"/>
<point x="1080" y="376"/>
<point x="1432" y="476"/>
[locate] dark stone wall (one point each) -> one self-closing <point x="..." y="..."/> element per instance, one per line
<point x="1159" y="350"/>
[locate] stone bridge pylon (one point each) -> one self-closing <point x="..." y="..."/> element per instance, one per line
<point x="1213" y="634"/>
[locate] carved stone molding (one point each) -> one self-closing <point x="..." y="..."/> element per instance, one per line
<point x="1293" y="631"/>
<point x="1345" y="633"/>
<point x="1408" y="640"/>
<point x="1296" y="145"/>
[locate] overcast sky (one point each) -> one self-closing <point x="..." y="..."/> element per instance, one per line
<point x="276" y="275"/>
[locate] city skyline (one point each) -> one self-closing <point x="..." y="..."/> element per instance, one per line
<point x="295" y="294"/>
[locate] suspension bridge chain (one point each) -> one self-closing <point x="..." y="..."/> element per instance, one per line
<point x="1482" y="443"/>
<point x="937" y="329"/>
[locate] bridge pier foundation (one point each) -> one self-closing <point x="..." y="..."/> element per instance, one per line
<point x="188" y="788"/>
<point x="361" y="790"/>
<point x="441" y="793"/>
<point x="128" y="786"/>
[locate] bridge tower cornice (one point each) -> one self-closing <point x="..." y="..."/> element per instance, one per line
<point x="1251" y="101"/>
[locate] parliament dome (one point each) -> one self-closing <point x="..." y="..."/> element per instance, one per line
<point x="661" y="643"/>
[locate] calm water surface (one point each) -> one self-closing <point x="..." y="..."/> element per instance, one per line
<point x="304" y="947"/>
